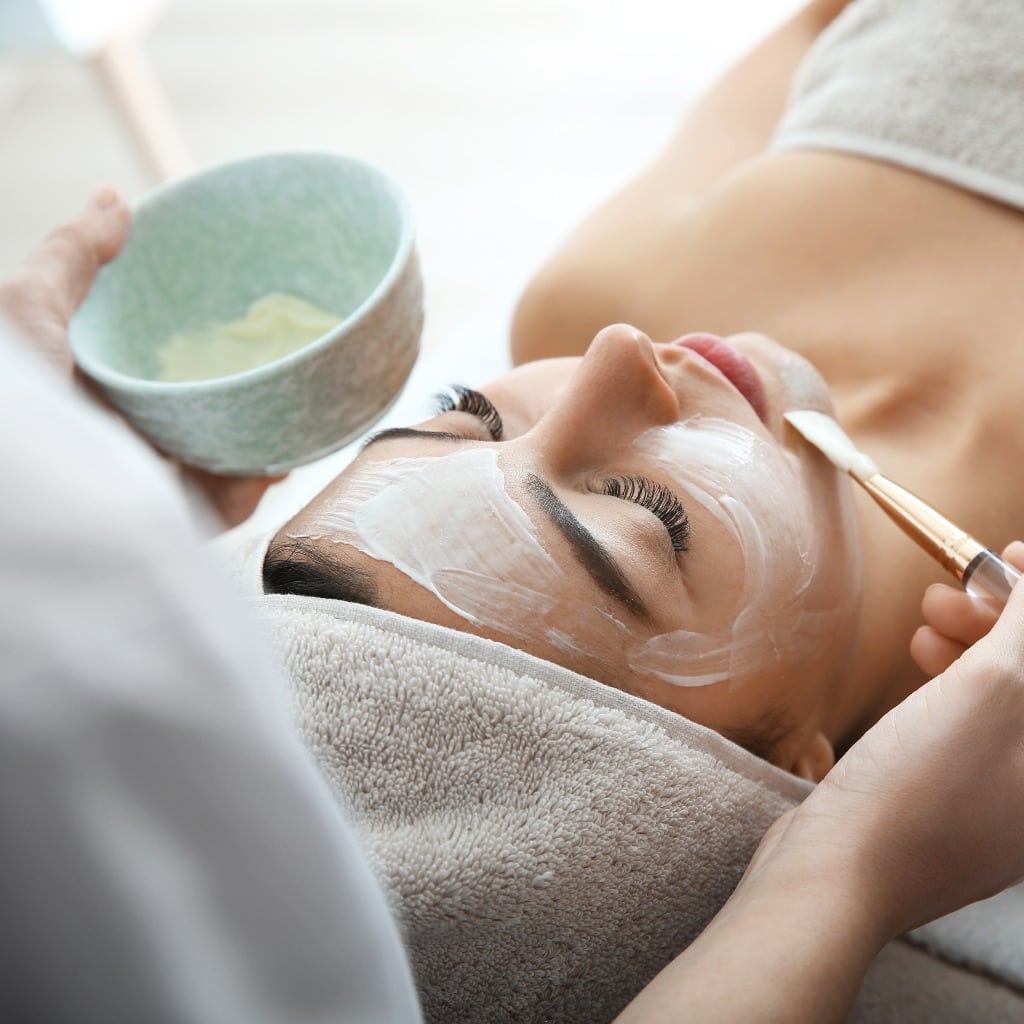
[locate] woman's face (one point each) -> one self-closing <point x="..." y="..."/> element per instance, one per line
<point x="642" y="515"/>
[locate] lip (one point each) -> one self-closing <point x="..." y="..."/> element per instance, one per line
<point x="732" y="364"/>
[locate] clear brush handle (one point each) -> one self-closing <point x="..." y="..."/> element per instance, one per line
<point x="987" y="575"/>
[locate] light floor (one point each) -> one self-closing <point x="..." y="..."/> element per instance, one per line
<point x="505" y="119"/>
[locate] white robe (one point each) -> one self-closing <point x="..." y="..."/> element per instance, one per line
<point x="167" y="851"/>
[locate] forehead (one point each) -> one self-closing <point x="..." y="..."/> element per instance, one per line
<point x="448" y="526"/>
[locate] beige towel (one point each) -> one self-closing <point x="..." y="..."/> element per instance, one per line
<point x="934" y="85"/>
<point x="548" y="842"/>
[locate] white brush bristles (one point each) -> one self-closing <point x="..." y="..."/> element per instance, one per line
<point x="828" y="437"/>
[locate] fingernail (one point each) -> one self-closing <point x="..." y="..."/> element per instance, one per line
<point x="104" y="198"/>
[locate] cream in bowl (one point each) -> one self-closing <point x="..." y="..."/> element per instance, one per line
<point x="274" y="326"/>
<point x="261" y="314"/>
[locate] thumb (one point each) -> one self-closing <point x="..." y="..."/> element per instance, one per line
<point x="41" y="295"/>
<point x="1003" y="647"/>
<point x="67" y="261"/>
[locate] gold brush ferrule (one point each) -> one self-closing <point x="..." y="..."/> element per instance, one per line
<point x="944" y="541"/>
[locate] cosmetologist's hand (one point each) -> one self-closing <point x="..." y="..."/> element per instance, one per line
<point x="41" y="296"/>
<point x="928" y="807"/>
<point x="955" y="620"/>
<point x="923" y="815"/>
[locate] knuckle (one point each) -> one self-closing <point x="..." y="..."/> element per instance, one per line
<point x="1002" y="668"/>
<point x="66" y="234"/>
<point x="24" y="297"/>
<point x="69" y="246"/>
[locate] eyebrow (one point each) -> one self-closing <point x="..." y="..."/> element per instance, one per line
<point x="593" y="556"/>
<point x="393" y="433"/>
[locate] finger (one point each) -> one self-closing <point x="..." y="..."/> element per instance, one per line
<point x="933" y="652"/>
<point x="957" y="614"/>
<point x="1014" y="554"/>
<point x="1007" y="636"/>
<point x="233" y="498"/>
<point x="30" y="307"/>
<point x="65" y="265"/>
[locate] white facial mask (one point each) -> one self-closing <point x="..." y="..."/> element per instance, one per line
<point x="449" y="524"/>
<point x="751" y="488"/>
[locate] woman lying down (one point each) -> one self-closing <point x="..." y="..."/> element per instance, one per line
<point x="629" y="502"/>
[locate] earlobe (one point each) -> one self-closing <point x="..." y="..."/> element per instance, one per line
<point x="814" y="759"/>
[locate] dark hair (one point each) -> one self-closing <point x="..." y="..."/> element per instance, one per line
<point x="298" y="567"/>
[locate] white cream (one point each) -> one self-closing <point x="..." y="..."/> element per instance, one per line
<point x="757" y="496"/>
<point x="449" y="524"/>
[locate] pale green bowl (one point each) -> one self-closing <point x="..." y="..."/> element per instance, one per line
<point x="328" y="228"/>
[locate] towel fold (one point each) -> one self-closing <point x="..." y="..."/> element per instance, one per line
<point x="933" y="85"/>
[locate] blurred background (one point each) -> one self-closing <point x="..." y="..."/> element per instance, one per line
<point x="505" y="120"/>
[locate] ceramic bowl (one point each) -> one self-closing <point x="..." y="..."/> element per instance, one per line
<point x="328" y="228"/>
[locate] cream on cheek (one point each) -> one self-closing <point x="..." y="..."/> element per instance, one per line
<point x="757" y="497"/>
<point x="448" y="524"/>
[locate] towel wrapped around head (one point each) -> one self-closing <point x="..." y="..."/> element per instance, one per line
<point x="521" y="817"/>
<point x="548" y="842"/>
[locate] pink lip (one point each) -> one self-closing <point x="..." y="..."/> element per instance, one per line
<point x="732" y="364"/>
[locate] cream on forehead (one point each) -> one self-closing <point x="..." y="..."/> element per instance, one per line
<point x="756" y="494"/>
<point x="460" y="535"/>
<point x="449" y="525"/>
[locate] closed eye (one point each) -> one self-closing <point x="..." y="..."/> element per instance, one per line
<point x="465" y="399"/>
<point x="656" y="498"/>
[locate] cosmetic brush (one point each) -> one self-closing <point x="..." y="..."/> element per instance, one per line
<point x="981" y="571"/>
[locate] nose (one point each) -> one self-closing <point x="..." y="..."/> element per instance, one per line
<point x="616" y="394"/>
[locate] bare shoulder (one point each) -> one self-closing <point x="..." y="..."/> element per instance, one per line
<point x="726" y="129"/>
<point x="836" y="256"/>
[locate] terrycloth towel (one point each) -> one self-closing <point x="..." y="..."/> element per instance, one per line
<point x="934" y="85"/>
<point x="547" y="842"/>
<point x="987" y="937"/>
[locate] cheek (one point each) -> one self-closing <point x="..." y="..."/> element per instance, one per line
<point x="764" y="578"/>
<point x="721" y="708"/>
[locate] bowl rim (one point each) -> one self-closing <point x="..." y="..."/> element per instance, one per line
<point x="106" y="375"/>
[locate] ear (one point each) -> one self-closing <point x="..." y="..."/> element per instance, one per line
<point x="812" y="758"/>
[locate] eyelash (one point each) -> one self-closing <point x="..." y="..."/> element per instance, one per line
<point x="476" y="404"/>
<point x="656" y="499"/>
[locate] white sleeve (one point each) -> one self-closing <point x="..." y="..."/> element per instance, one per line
<point x="167" y="851"/>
